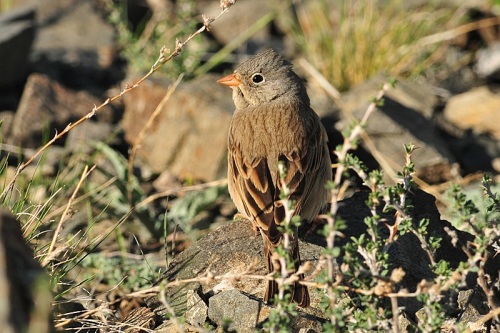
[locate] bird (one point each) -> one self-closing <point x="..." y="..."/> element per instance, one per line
<point x="274" y="123"/>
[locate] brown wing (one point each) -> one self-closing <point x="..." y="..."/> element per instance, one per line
<point x="252" y="190"/>
<point x="307" y="173"/>
<point x="255" y="187"/>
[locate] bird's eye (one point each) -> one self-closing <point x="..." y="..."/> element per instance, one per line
<point x="257" y="78"/>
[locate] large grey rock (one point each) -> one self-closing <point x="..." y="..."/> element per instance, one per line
<point x="74" y="42"/>
<point x="80" y="137"/>
<point x="233" y="249"/>
<point x="405" y="117"/>
<point x="17" y="32"/>
<point x="197" y="309"/>
<point x="242" y="312"/>
<point x="47" y="106"/>
<point x="189" y="136"/>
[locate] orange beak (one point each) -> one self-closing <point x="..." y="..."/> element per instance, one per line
<point x="229" y="80"/>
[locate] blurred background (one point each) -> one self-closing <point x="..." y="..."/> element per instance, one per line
<point x="146" y="174"/>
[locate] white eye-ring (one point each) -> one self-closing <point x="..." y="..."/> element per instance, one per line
<point x="258" y="78"/>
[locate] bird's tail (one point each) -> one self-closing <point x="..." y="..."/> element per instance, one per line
<point x="299" y="292"/>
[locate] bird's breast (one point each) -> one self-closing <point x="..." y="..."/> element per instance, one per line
<point x="268" y="132"/>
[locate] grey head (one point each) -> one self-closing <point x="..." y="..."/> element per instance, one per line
<point x="264" y="78"/>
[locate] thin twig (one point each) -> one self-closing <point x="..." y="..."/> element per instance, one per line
<point x="85" y="174"/>
<point x="320" y="79"/>
<point x="168" y="192"/>
<point x="460" y="30"/>
<point x="487" y="317"/>
<point x="81" y="198"/>
<point x="395" y="312"/>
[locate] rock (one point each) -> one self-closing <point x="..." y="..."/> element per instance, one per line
<point x="239" y="21"/>
<point x="74" y="41"/>
<point x="408" y="253"/>
<point x="476" y="110"/>
<point x="473" y="136"/>
<point x="189" y="136"/>
<point x="17" y="32"/>
<point x="23" y="283"/>
<point x="80" y="138"/>
<point x="234" y="249"/>
<point x="242" y="313"/>
<point x="405" y="117"/>
<point x="47" y="106"/>
<point x="170" y="326"/>
<point x="6" y="118"/>
<point x="197" y="310"/>
<point x="488" y="62"/>
<point x="307" y="330"/>
<point x="474" y="305"/>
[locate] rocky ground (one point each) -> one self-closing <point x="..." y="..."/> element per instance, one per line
<point x="60" y="58"/>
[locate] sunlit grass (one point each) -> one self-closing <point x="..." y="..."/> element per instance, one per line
<point x="5" y="5"/>
<point x="350" y="41"/>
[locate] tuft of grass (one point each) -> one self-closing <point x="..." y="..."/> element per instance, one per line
<point x="6" y="5"/>
<point x="350" y="41"/>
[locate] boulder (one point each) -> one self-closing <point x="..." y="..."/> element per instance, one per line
<point x="405" y="117"/>
<point x="234" y="310"/>
<point x="477" y="110"/>
<point x="189" y="136"/>
<point x="75" y="44"/>
<point x="230" y="27"/>
<point x="17" y="32"/>
<point x="197" y="309"/>
<point x="45" y="107"/>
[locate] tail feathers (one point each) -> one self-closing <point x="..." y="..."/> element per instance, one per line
<point x="300" y="295"/>
<point x="299" y="292"/>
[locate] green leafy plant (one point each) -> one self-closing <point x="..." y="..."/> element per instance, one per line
<point x="185" y="210"/>
<point x="140" y="45"/>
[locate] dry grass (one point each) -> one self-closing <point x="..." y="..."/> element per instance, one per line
<point x="349" y="41"/>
